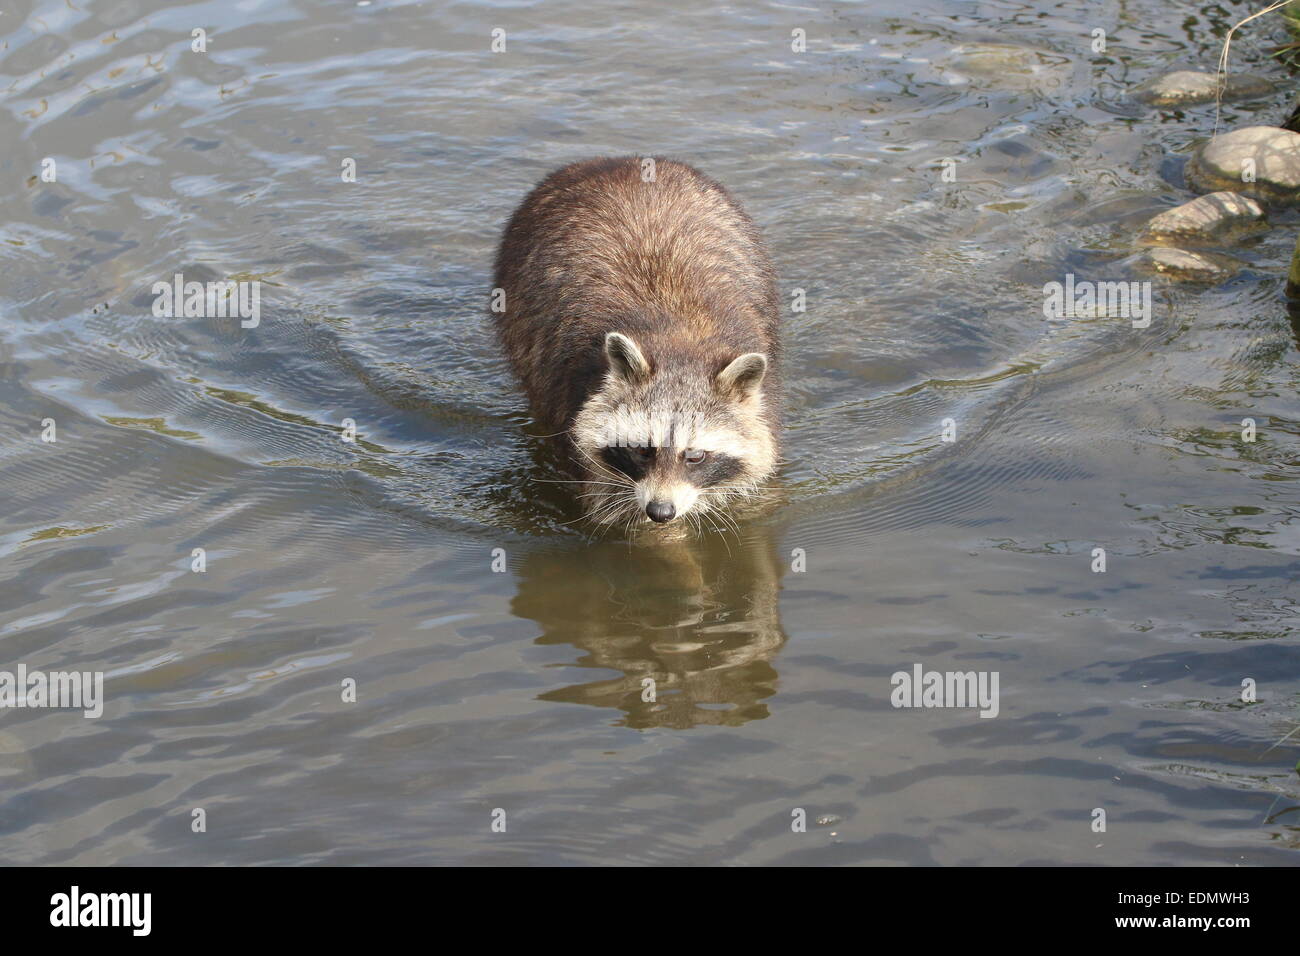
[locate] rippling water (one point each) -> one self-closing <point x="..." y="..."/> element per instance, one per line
<point x="772" y="647"/>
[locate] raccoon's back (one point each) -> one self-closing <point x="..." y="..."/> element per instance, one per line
<point x="597" y="247"/>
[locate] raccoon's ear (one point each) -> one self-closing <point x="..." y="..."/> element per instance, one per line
<point x="740" y="379"/>
<point x="625" y="359"/>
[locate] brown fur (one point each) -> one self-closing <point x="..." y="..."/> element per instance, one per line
<point x="675" y="264"/>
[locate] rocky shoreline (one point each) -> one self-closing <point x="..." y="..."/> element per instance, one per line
<point x="1241" y="175"/>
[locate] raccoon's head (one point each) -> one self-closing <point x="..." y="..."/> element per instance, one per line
<point x="662" y="442"/>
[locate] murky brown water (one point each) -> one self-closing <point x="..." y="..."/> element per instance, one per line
<point x="522" y="690"/>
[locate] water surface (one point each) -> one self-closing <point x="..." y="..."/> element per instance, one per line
<point x="771" y="646"/>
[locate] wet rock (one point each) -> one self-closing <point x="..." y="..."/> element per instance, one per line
<point x="1258" y="161"/>
<point x="1011" y="67"/>
<point x="1211" y="220"/>
<point x="1187" y="266"/>
<point x="1188" y="87"/>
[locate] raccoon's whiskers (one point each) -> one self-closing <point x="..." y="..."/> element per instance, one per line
<point x="708" y="514"/>
<point x="715" y="506"/>
<point x="728" y="521"/>
<point x="628" y="528"/>
<point x="602" y="516"/>
<point x="602" y="469"/>
<point x="607" y="512"/>
<point x="609" y="509"/>
<point x="600" y="511"/>
<point x="579" y="481"/>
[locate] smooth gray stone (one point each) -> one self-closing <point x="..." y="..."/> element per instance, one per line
<point x="1187" y="266"/>
<point x="1211" y="220"/>
<point x="1188" y="87"/>
<point x="1270" y="155"/>
<point x="1011" y="67"/>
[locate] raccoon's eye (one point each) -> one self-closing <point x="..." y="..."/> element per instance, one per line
<point x="644" y="452"/>
<point x="694" y="456"/>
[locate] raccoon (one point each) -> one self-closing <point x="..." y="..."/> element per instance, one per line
<point x="641" y="317"/>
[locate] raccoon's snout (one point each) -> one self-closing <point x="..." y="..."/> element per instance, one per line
<point x="660" y="511"/>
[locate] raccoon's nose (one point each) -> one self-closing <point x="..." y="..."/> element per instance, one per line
<point x="660" y="511"/>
